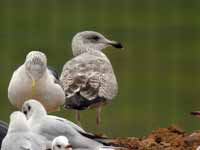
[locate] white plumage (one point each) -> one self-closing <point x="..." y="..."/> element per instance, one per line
<point x="62" y="143"/>
<point x="34" y="80"/>
<point x="51" y="127"/>
<point x="20" y="137"/>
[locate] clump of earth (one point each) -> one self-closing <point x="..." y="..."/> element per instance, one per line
<point x="171" y="138"/>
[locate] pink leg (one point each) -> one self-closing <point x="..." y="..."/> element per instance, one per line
<point x="78" y="117"/>
<point x="98" y="116"/>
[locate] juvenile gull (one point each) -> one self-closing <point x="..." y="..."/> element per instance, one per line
<point x="35" y="80"/>
<point x="88" y="79"/>
<point x="19" y="136"/>
<point x="51" y="126"/>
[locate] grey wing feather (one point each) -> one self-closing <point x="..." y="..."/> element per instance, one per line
<point x="52" y="127"/>
<point x="55" y="74"/>
<point x="90" y="76"/>
<point x="78" y="129"/>
<point x="64" y="121"/>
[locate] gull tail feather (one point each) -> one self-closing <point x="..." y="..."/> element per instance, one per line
<point x="103" y="140"/>
<point x="78" y="102"/>
<point x="107" y="142"/>
<point x="106" y="148"/>
<point x="110" y="148"/>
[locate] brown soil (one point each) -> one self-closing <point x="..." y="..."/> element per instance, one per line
<point x="171" y="138"/>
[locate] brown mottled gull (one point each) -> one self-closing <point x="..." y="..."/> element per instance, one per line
<point x="88" y="79"/>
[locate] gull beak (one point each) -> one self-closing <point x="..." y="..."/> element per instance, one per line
<point x="115" y="44"/>
<point x="196" y="113"/>
<point x="68" y="146"/>
<point x="33" y="87"/>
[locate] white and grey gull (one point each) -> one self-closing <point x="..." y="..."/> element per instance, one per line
<point x="88" y="79"/>
<point x="51" y="127"/>
<point x="34" y="79"/>
<point x="62" y="143"/>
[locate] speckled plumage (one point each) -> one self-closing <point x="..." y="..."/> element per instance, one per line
<point x="89" y="75"/>
<point x="89" y="78"/>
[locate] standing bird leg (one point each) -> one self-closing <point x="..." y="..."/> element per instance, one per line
<point x="33" y="87"/>
<point x="78" y="117"/>
<point x="98" y="115"/>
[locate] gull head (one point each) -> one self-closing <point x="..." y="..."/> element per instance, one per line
<point x="18" y="122"/>
<point x="87" y="41"/>
<point x="61" y="143"/>
<point x="35" y="64"/>
<point x="33" y="108"/>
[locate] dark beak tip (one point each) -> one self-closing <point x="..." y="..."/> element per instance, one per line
<point x="195" y="113"/>
<point x="118" y="45"/>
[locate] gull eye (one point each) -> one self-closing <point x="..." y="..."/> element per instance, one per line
<point x="29" y="108"/>
<point x="25" y="112"/>
<point x="59" y="146"/>
<point x="93" y="38"/>
<point x="96" y="38"/>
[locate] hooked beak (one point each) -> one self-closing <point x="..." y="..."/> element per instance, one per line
<point x="196" y="113"/>
<point x="115" y="44"/>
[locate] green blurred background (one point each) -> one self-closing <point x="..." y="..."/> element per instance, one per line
<point x="158" y="71"/>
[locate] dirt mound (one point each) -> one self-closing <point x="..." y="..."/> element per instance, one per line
<point x="171" y="138"/>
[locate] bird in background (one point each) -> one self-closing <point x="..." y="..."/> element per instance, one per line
<point x="20" y="137"/>
<point x="34" y="79"/>
<point x="88" y="78"/>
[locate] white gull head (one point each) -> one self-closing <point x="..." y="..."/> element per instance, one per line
<point x="35" y="64"/>
<point x="18" y="122"/>
<point x="33" y="109"/>
<point x="61" y="143"/>
<point x="88" y="41"/>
